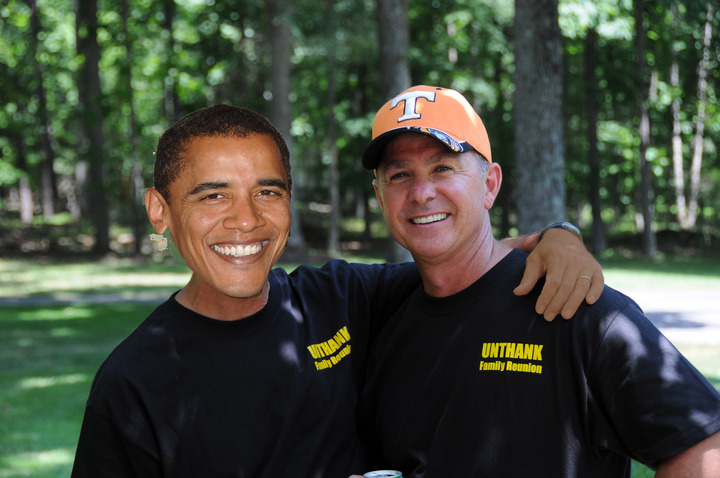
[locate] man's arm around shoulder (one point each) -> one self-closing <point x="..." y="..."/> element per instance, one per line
<point x="699" y="461"/>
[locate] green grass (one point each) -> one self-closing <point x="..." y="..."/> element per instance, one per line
<point x="75" y="280"/>
<point x="49" y="355"/>
<point x="670" y="272"/>
<point x="68" y="281"/>
<point x="50" y="352"/>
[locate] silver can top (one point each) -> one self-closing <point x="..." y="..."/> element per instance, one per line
<point x="383" y="474"/>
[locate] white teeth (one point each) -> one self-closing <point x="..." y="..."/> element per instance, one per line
<point x="429" y="219"/>
<point x="238" y="251"/>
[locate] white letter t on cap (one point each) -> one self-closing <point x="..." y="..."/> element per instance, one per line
<point x="410" y="99"/>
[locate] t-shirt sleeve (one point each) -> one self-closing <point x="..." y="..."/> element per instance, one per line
<point x="102" y="451"/>
<point x="656" y="402"/>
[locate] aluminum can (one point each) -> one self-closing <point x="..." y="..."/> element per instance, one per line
<point x="383" y="474"/>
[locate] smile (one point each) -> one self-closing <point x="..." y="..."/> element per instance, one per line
<point x="239" y="251"/>
<point x="429" y="219"/>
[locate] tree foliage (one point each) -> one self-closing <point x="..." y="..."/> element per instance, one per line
<point x="159" y="60"/>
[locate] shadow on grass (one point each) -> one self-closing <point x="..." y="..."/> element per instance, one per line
<point x="50" y="355"/>
<point x="119" y="293"/>
<point x="27" y="283"/>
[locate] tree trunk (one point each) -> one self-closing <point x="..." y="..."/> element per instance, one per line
<point x="646" y="190"/>
<point x="90" y="96"/>
<point x="76" y="197"/>
<point x="696" y="165"/>
<point x="539" y="141"/>
<point x="332" y="152"/>
<point x="599" y="241"/>
<point x="687" y="211"/>
<point x="333" y="239"/>
<point x="394" y="42"/>
<point x="171" y="102"/>
<point x="279" y="13"/>
<point x="25" y="196"/>
<point x="676" y="141"/>
<point x="360" y="108"/>
<point x="137" y="186"/>
<point x="48" y="179"/>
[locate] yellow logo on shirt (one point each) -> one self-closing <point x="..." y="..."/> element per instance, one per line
<point x="507" y="354"/>
<point x="331" y="352"/>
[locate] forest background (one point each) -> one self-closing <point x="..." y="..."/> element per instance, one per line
<point x="601" y="112"/>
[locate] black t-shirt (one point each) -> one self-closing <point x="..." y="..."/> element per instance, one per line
<point x="477" y="384"/>
<point x="270" y="395"/>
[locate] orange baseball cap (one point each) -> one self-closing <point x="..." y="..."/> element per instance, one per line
<point x="441" y="113"/>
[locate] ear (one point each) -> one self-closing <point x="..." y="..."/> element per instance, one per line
<point x="156" y="207"/>
<point x="493" y="179"/>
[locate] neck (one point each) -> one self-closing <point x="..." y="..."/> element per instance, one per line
<point x="213" y="303"/>
<point x="443" y="278"/>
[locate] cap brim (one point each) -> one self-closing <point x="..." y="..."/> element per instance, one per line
<point x="373" y="152"/>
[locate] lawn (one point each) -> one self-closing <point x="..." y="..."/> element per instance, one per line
<point x="49" y="350"/>
<point x="49" y="355"/>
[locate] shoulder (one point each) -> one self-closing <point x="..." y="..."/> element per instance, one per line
<point x="614" y="317"/>
<point x="362" y="293"/>
<point x="620" y="337"/>
<point x="615" y="308"/>
<point x="337" y="272"/>
<point x="338" y="267"/>
<point x="142" y="351"/>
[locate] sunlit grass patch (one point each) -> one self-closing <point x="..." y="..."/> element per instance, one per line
<point x="51" y="381"/>
<point x="673" y="272"/>
<point x="73" y="281"/>
<point x="41" y="463"/>
<point x="53" y="313"/>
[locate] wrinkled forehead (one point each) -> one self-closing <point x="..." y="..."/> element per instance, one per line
<point x="212" y="158"/>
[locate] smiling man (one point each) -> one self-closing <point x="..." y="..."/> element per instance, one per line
<point x="464" y="380"/>
<point x="248" y="371"/>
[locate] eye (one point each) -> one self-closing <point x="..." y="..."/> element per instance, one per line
<point x="269" y="193"/>
<point x="213" y="196"/>
<point x="443" y="168"/>
<point x="398" y="175"/>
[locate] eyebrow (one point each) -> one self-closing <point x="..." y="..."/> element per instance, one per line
<point x="278" y="183"/>
<point x="212" y="185"/>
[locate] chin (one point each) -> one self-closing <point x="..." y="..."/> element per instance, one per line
<point x="243" y="292"/>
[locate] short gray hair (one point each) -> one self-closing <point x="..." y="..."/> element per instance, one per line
<point x="483" y="163"/>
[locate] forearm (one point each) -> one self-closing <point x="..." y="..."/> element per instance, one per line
<point x="699" y="461"/>
<point x="527" y="242"/>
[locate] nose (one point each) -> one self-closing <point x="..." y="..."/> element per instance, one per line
<point x="421" y="190"/>
<point x="243" y="215"/>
